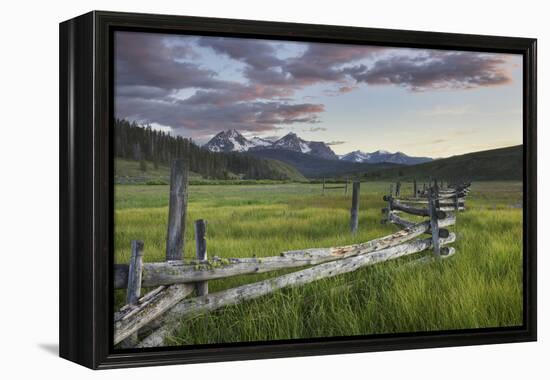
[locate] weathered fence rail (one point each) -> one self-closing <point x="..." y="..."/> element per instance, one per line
<point x="335" y="186"/>
<point x="250" y="291"/>
<point x="175" y="279"/>
<point x="175" y="272"/>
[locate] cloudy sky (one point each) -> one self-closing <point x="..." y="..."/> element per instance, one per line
<point x="421" y="102"/>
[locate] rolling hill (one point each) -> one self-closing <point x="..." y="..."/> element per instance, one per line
<point x="495" y="164"/>
<point x="316" y="167"/>
<point x="131" y="172"/>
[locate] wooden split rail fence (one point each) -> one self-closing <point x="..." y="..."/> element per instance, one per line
<point x="335" y="186"/>
<point x="145" y="321"/>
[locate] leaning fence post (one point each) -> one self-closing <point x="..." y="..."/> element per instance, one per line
<point x="133" y="290"/>
<point x="134" y="273"/>
<point x="177" y="210"/>
<point x="434" y="224"/>
<point x="200" y="242"/>
<point x="355" y="207"/>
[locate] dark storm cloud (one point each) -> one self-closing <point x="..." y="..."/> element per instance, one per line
<point x="318" y="63"/>
<point x="143" y="59"/>
<point x="144" y="92"/>
<point x="322" y="62"/>
<point x="435" y="70"/>
<point x="256" y="53"/>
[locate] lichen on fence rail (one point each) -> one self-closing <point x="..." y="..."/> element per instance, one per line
<point x="233" y="296"/>
<point x="173" y="272"/>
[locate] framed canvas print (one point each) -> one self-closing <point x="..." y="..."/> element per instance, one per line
<point x="238" y="189"/>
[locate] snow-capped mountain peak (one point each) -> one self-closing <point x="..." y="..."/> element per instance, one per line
<point x="381" y="156"/>
<point x="228" y="141"/>
<point x="233" y="141"/>
<point x="356" y="156"/>
<point x="291" y="141"/>
<point x="258" y="141"/>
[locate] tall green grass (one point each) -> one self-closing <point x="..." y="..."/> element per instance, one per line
<point x="480" y="286"/>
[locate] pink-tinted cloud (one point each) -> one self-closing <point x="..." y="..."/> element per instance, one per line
<point x="436" y="70"/>
<point x="151" y="69"/>
<point x="204" y="119"/>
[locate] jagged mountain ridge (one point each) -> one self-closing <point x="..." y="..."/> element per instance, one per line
<point x="233" y="141"/>
<point x="229" y="141"/>
<point x="381" y="156"/>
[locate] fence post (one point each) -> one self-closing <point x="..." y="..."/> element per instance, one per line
<point x="323" y="193"/>
<point x="355" y="207"/>
<point x="389" y="209"/>
<point x="346" y="188"/>
<point x="456" y="199"/>
<point x="177" y="210"/>
<point x="133" y="290"/>
<point x="200" y="242"/>
<point x="397" y="189"/>
<point x="415" y="193"/>
<point x="391" y="189"/>
<point x="434" y="224"/>
<point x="134" y="273"/>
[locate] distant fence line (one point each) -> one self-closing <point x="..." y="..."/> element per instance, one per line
<point x="335" y="186"/>
<point x="159" y="311"/>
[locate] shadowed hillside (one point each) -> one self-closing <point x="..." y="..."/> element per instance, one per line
<point x="496" y="164"/>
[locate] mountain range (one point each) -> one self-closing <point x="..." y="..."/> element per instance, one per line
<point x="384" y="156"/>
<point x="316" y="167"/>
<point x="233" y="141"/>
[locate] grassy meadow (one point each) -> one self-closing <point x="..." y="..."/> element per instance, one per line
<point x="480" y="286"/>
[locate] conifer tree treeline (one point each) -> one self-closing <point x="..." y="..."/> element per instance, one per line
<point x="137" y="142"/>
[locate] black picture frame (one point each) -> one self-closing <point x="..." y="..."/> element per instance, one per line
<point x="86" y="186"/>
